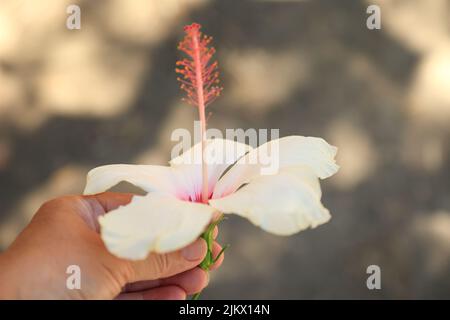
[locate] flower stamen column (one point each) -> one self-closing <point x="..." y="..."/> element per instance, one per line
<point x="200" y="77"/>
<point x="201" y="112"/>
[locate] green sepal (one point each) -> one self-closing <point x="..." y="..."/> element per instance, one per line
<point x="209" y="260"/>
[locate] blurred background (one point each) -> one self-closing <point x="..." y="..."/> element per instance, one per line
<point x="71" y="100"/>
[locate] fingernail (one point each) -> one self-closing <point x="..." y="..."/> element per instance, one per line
<point x="195" y="251"/>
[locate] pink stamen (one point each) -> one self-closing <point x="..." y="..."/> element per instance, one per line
<point x="199" y="81"/>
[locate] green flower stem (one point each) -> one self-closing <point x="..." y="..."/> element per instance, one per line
<point x="209" y="260"/>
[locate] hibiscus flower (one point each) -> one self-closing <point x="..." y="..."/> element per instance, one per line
<point x="172" y="214"/>
<point x="216" y="176"/>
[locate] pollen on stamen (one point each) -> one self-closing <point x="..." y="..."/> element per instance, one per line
<point x="195" y="46"/>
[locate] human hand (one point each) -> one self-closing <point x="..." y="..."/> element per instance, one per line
<point x="64" y="232"/>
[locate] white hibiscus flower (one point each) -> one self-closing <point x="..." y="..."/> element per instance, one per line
<point x="172" y="214"/>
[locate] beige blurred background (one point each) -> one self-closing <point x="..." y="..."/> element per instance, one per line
<point x="71" y="100"/>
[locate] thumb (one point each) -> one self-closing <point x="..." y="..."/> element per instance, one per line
<point x="158" y="266"/>
<point x="99" y="204"/>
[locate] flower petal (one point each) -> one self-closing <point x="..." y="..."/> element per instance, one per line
<point x="219" y="155"/>
<point x="153" y="223"/>
<point x="148" y="178"/>
<point x="282" y="204"/>
<point x="313" y="152"/>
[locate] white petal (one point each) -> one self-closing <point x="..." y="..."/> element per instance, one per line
<point x="148" y="178"/>
<point x="153" y="223"/>
<point x="219" y="155"/>
<point x="282" y="204"/>
<point x="313" y="152"/>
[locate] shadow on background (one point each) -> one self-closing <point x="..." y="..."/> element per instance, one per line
<point x="308" y="68"/>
